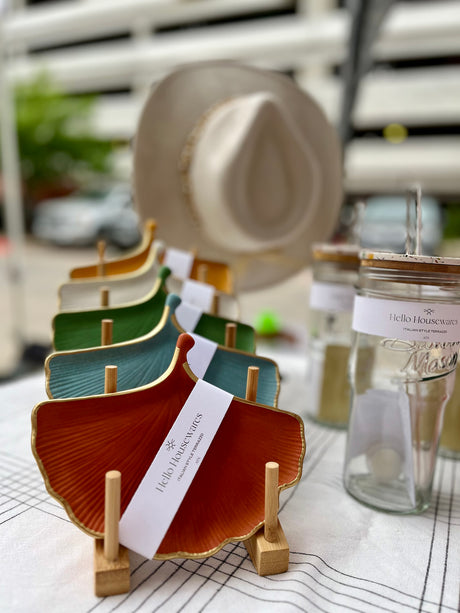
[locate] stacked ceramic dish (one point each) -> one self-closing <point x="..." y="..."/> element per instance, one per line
<point x="160" y="352"/>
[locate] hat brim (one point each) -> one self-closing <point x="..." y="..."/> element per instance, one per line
<point x="169" y="115"/>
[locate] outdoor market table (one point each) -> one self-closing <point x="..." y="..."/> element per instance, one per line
<point x="344" y="556"/>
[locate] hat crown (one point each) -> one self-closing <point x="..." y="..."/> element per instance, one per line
<point x="253" y="181"/>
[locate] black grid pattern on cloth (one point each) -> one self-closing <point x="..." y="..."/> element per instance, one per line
<point x="312" y="584"/>
<point x="22" y="489"/>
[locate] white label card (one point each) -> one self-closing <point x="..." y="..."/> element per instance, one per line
<point x="160" y="493"/>
<point x="198" y="294"/>
<point x="188" y="316"/>
<point x="409" y="321"/>
<point x="180" y="262"/>
<point x="335" y="297"/>
<point x="200" y="355"/>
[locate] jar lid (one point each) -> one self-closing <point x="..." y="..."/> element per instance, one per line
<point x="404" y="261"/>
<point x="336" y="252"/>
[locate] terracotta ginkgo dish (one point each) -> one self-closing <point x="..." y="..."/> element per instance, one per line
<point x="76" y="441"/>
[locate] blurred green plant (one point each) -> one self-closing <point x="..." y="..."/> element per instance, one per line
<point x="57" y="146"/>
<point x="452" y="224"/>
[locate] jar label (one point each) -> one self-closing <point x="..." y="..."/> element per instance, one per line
<point x="410" y="321"/>
<point x="336" y="297"/>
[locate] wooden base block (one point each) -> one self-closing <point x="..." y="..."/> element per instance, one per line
<point x="110" y="577"/>
<point x="269" y="558"/>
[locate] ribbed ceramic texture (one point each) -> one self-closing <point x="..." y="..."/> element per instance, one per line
<point x="140" y="362"/>
<point x="82" y="329"/>
<point x="77" y="441"/>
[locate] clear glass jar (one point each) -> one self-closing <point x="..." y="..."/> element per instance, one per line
<point x="449" y="445"/>
<point x="335" y="274"/>
<point x="403" y="358"/>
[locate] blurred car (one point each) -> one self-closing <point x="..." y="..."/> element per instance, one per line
<point x="87" y="216"/>
<point x="384" y="224"/>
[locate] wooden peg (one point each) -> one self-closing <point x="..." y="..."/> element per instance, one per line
<point x="101" y="246"/>
<point x="215" y="304"/>
<point x="202" y="273"/>
<point x="111" y="560"/>
<point x="105" y="292"/>
<point x="230" y="335"/>
<point x="271" y="501"/>
<point x="268" y="548"/>
<point x="106" y="331"/>
<point x="251" y="383"/>
<point x="110" y="382"/>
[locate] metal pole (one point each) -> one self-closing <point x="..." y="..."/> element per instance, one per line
<point x="12" y="194"/>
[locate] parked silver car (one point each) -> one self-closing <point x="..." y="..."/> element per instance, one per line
<point x="87" y="216"/>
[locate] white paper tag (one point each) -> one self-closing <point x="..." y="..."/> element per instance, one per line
<point x="160" y="493"/>
<point x="180" y="262"/>
<point x="335" y="297"/>
<point x="380" y="430"/>
<point x="197" y="293"/>
<point x="200" y="355"/>
<point x="188" y="316"/>
<point x="410" y="321"/>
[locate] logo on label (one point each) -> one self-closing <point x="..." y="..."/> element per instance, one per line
<point x="170" y="445"/>
<point x="177" y="457"/>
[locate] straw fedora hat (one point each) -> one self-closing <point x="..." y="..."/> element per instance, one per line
<point x="241" y="164"/>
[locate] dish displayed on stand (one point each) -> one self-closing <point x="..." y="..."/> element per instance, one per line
<point x="140" y="361"/>
<point x="82" y="329"/>
<point x="76" y="441"/>
<point x="126" y="264"/>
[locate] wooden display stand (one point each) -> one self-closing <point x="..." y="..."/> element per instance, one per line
<point x="111" y="560"/>
<point x="268" y="548"/>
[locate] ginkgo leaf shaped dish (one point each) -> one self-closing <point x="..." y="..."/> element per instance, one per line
<point x="76" y="441"/>
<point x="123" y="265"/>
<point x="141" y="361"/>
<point x="82" y="329"/>
<point x="86" y="293"/>
<point x="123" y="290"/>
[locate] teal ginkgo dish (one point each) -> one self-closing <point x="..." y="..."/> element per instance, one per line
<point x="80" y="373"/>
<point x="82" y="329"/>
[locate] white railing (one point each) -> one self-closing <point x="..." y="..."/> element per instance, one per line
<point x="294" y="42"/>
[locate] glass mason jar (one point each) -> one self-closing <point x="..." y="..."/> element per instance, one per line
<point x="335" y="274"/>
<point x="449" y="445"/>
<point x="403" y="358"/>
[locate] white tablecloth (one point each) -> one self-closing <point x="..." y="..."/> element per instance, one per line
<point x="344" y="556"/>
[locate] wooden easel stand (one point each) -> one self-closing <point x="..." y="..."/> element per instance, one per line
<point x="111" y="560"/>
<point x="268" y="548"/>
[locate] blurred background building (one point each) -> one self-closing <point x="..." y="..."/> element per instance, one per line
<point x="406" y="120"/>
<point x="80" y="71"/>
